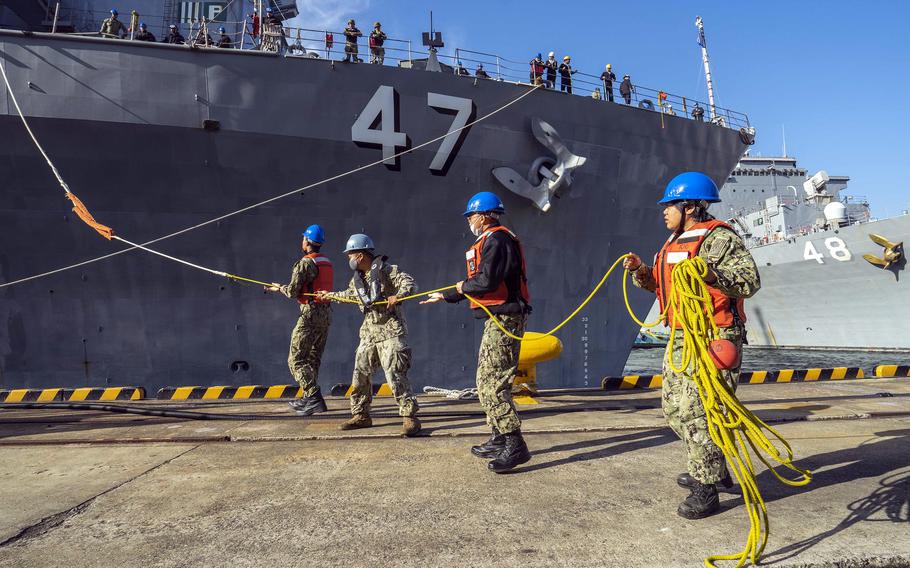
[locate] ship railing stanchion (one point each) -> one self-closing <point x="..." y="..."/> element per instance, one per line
<point x="56" y="16"/>
<point x="243" y="35"/>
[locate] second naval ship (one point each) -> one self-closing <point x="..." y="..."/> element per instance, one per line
<point x="832" y="275"/>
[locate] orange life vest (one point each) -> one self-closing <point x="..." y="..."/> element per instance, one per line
<point x="500" y="295"/>
<point x="323" y="282"/>
<point x="727" y="311"/>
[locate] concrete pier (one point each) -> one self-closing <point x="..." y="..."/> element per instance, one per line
<point x="262" y="487"/>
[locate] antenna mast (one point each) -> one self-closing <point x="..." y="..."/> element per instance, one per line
<point x="704" y="57"/>
<point x="783" y="133"/>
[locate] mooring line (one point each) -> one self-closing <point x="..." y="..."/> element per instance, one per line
<point x="144" y="246"/>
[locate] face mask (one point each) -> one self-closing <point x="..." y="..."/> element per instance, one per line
<point x="352" y="262"/>
<point x="474" y="230"/>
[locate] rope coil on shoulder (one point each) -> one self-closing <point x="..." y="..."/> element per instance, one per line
<point x="732" y="426"/>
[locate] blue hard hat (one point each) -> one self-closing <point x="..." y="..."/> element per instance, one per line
<point x="484" y="202"/>
<point x="221" y="30"/>
<point x="358" y="242"/>
<point x="694" y="186"/>
<point x="114" y="11"/>
<point x="539" y="56"/>
<point x="269" y="10"/>
<point x="313" y="233"/>
<point x="142" y="25"/>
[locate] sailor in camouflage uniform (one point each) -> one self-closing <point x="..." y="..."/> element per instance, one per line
<point x="496" y="280"/>
<point x="311" y="274"/>
<point x="383" y="335"/>
<point x="732" y="277"/>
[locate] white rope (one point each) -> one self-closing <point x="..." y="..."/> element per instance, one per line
<point x="169" y="257"/>
<point x="459" y="394"/>
<point x="12" y="95"/>
<point x="143" y="246"/>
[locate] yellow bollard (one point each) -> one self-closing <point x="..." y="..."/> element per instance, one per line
<point x="524" y="386"/>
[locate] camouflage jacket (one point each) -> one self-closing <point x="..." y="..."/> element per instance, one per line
<point x="303" y="273"/>
<point x="725" y="253"/>
<point x="383" y="280"/>
<point x="112" y="28"/>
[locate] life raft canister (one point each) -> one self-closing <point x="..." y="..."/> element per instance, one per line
<point x="323" y="282"/>
<point x="500" y="295"/>
<point x="677" y="249"/>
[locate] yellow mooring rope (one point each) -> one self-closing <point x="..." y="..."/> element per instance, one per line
<point x="536" y="336"/>
<point x="732" y="426"/>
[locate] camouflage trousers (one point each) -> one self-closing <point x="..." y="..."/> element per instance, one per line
<point x="307" y="344"/>
<point x="394" y="356"/>
<point x="685" y="413"/>
<point x="497" y="364"/>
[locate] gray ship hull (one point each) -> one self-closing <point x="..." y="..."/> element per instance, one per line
<point x="842" y="301"/>
<point x="124" y="124"/>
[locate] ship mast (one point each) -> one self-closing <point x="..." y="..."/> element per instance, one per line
<point x="704" y="57"/>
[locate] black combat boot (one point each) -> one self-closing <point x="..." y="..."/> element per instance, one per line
<point x="724" y="485"/>
<point x="490" y="448"/>
<point x="514" y="452"/>
<point x="701" y="503"/>
<point x="307" y="405"/>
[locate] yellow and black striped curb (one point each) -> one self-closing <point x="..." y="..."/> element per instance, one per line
<point x="345" y="389"/>
<point x="72" y="395"/>
<point x="885" y="371"/>
<point x="746" y="378"/>
<point x="631" y="382"/>
<point x="801" y="375"/>
<point x="228" y="392"/>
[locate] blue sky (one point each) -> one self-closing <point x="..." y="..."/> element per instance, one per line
<point x="836" y="74"/>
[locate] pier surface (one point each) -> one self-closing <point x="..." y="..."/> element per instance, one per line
<point x="262" y="487"/>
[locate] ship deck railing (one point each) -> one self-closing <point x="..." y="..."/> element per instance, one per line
<point x="307" y="42"/>
<point x="402" y="52"/>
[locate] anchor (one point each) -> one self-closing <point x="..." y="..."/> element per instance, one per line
<point x="548" y="175"/>
<point x="892" y="255"/>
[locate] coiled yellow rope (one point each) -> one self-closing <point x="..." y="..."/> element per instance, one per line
<point x="732" y="426"/>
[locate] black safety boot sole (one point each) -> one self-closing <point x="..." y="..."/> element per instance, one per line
<point x="693" y="510"/>
<point x="312" y="407"/>
<point x="489" y="449"/>
<point x="500" y="465"/>
<point x="298" y="403"/>
<point x="512" y="455"/>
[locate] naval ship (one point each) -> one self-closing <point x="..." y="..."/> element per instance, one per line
<point x="832" y="275"/>
<point x="155" y="138"/>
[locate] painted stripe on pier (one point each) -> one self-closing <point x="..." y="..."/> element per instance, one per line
<point x="244" y="392"/>
<point x="747" y="377"/>
<point x="72" y="395"/>
<point x="885" y="371"/>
